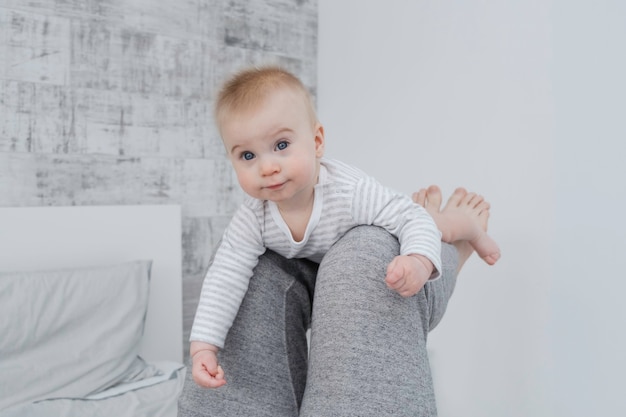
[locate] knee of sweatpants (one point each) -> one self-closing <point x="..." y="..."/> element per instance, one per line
<point x="362" y="328"/>
<point x="362" y="251"/>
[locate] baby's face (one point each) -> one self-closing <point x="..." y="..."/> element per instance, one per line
<point x="275" y="148"/>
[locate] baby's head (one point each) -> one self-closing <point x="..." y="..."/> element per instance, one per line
<point x="271" y="134"/>
<point x="248" y="89"/>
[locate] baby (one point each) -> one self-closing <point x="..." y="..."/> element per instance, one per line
<point x="299" y="204"/>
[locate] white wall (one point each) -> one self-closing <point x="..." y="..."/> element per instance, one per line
<point x="515" y="100"/>
<point x="588" y="315"/>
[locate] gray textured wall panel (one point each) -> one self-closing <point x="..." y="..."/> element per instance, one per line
<point x="109" y="102"/>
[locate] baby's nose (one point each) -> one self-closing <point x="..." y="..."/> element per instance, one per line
<point x="269" y="166"/>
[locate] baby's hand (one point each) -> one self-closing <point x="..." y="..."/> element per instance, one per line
<point x="407" y="274"/>
<point x="205" y="370"/>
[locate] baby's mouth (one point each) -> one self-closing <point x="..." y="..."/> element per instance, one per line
<point x="275" y="186"/>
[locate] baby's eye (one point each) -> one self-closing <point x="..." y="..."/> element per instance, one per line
<point x="282" y="145"/>
<point x="247" y="155"/>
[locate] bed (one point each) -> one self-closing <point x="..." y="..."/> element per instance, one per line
<point x="90" y="311"/>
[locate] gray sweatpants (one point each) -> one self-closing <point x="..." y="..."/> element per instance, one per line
<point x="368" y="345"/>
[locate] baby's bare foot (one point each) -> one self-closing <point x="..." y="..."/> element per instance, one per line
<point x="464" y="218"/>
<point x="431" y="200"/>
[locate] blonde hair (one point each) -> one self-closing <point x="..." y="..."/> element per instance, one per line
<point x="249" y="87"/>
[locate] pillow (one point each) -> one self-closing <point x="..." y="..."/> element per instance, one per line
<point x="70" y="333"/>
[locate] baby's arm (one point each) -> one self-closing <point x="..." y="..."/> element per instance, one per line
<point x="407" y="274"/>
<point x="205" y="370"/>
<point x="223" y="290"/>
<point x="419" y="238"/>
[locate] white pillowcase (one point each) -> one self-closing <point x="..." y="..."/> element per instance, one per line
<point x="70" y="333"/>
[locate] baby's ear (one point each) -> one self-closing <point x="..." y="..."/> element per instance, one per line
<point x="319" y="140"/>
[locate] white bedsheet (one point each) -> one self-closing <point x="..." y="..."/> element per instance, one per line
<point x="151" y="397"/>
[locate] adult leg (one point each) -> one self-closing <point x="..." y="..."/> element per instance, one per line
<point x="368" y="344"/>
<point x="265" y="353"/>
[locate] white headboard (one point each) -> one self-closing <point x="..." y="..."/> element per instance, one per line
<point x="35" y="238"/>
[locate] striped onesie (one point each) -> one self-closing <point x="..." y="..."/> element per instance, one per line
<point x="345" y="197"/>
